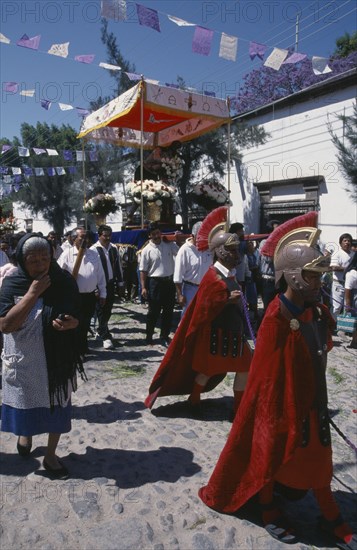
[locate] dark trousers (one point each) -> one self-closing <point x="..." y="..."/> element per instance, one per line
<point x="131" y="280"/>
<point x="87" y="308"/>
<point x="268" y="292"/>
<point x="161" y="299"/>
<point x="104" y="312"/>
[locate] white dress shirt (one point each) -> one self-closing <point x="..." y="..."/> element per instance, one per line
<point x="91" y="273"/>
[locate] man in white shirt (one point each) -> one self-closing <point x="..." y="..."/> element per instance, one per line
<point x="111" y="263"/>
<point x="157" y="286"/>
<point x="190" y="267"/>
<point x="90" y="279"/>
<point x="339" y="261"/>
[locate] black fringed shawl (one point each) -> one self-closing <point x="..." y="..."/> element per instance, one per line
<point x="61" y="348"/>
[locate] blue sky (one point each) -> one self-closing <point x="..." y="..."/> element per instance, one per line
<point x="161" y="56"/>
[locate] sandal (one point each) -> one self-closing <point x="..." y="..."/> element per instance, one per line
<point x="278" y="528"/>
<point x="329" y="526"/>
<point x="281" y="531"/>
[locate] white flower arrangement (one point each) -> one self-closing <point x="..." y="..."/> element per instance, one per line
<point x="173" y="167"/>
<point x="7" y="224"/>
<point x="103" y="204"/>
<point x="210" y="191"/>
<point x="153" y="191"/>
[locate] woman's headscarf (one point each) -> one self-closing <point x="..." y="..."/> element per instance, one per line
<point x="61" y="348"/>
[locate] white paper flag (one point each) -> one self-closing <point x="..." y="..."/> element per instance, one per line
<point x="23" y="151"/>
<point x="3" y="39"/>
<point x="65" y="107"/>
<point x="228" y="47"/>
<point x="110" y="67"/>
<point x="320" y="65"/>
<point x="80" y="156"/>
<point x="276" y="58"/>
<point x="52" y="152"/>
<point x="60" y="171"/>
<point x="16" y="171"/>
<point x="27" y="93"/>
<point x="180" y="22"/>
<point x="59" y="49"/>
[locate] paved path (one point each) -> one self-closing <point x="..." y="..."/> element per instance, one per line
<point x="135" y="473"/>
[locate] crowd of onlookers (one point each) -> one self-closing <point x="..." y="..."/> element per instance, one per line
<point x="184" y="272"/>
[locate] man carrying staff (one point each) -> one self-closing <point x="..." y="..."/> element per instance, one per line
<point x="85" y="266"/>
<point x="280" y="437"/>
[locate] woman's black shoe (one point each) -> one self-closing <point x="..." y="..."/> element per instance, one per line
<point x="23" y="450"/>
<point x="58" y="473"/>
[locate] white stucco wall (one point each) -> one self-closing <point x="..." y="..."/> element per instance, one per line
<point x="300" y="146"/>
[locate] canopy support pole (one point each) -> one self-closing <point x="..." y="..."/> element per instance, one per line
<point x="142" y="152"/>
<point x="229" y="169"/>
<point x="84" y="183"/>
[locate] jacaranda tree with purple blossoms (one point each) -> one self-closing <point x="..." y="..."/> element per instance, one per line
<point x="265" y="85"/>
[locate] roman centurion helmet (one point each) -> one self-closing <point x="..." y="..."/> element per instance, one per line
<point x="293" y="245"/>
<point x="213" y="234"/>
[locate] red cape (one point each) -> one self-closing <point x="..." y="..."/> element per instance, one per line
<point x="175" y="375"/>
<point x="267" y="428"/>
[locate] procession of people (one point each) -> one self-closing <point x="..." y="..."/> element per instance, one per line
<point x="280" y="441"/>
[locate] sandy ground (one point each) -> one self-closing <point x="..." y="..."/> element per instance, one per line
<point x="135" y="474"/>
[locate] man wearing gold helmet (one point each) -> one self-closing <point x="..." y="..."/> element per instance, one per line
<point x="280" y="440"/>
<point x="210" y="339"/>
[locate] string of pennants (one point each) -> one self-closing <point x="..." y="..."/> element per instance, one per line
<point x="13" y="175"/>
<point x="201" y="44"/>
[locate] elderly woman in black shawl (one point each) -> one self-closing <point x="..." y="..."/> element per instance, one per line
<point x="38" y="317"/>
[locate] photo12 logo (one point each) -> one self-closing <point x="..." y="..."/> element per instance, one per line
<point x="54" y="92"/>
<point x="268" y="11"/>
<point x="56" y="12"/>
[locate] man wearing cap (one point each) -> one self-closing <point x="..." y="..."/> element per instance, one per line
<point x="157" y="263"/>
<point x="190" y="267"/>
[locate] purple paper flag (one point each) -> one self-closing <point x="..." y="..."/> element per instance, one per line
<point x="148" y="17"/>
<point x="93" y="156"/>
<point x="28" y="171"/>
<point x="5" y="148"/>
<point x="51" y="171"/>
<point x="4" y="170"/>
<point x="295" y="58"/>
<point x="84" y="58"/>
<point x="202" y="41"/>
<point x="72" y="169"/>
<point x="32" y="43"/>
<point x="82" y="112"/>
<point x="17" y="180"/>
<point x="45" y="104"/>
<point x="39" y="172"/>
<point x="211" y="94"/>
<point x="133" y="76"/>
<point x="67" y="154"/>
<point x="256" y="49"/>
<point x="11" y="87"/>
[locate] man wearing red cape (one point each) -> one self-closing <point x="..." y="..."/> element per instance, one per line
<point x="281" y="431"/>
<point x="209" y="341"/>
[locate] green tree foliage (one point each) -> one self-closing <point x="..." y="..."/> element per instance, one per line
<point x="60" y="198"/>
<point x="347" y="150"/>
<point x="346" y="44"/>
